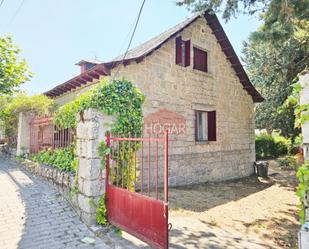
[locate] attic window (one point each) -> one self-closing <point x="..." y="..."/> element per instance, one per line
<point x="200" y="60"/>
<point x="182" y="52"/>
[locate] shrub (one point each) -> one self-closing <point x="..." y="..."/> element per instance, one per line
<point x="63" y="159"/>
<point x="288" y="162"/>
<point x="265" y="146"/>
<point x="283" y="145"/>
<point x="11" y="106"/>
<point x="269" y="147"/>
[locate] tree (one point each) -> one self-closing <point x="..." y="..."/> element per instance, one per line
<point x="274" y="55"/>
<point x="13" y="69"/>
<point x="12" y="105"/>
<point x="231" y="8"/>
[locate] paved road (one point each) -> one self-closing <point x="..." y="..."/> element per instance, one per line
<point x="34" y="215"/>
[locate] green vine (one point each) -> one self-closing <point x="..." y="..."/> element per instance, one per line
<point x="303" y="187"/>
<point x="119" y="98"/>
<point x="301" y="116"/>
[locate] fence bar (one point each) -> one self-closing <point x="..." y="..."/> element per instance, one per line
<point x="108" y="140"/>
<point x="135" y="165"/>
<point x="129" y="159"/>
<point x="113" y="157"/>
<point x="123" y="162"/>
<point x="157" y="168"/>
<point x="118" y="162"/>
<point x="166" y="166"/>
<point x="149" y="166"/>
<point x="142" y="168"/>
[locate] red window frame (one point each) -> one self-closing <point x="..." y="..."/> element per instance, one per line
<point x="183" y="49"/>
<point x="200" y="59"/>
<point x="211" y="126"/>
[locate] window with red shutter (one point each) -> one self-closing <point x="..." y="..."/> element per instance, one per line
<point x="200" y="60"/>
<point x="205" y="126"/>
<point x="182" y="52"/>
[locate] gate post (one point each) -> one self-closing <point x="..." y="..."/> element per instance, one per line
<point x="23" y="133"/>
<point x="90" y="131"/>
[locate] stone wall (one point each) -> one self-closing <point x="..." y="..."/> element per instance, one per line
<point x="88" y="185"/>
<point x="183" y="89"/>
<point x="91" y="130"/>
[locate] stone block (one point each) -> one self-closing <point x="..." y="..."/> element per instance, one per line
<point x="88" y="218"/>
<point x="93" y="188"/>
<point x="89" y="168"/>
<point x="84" y="204"/>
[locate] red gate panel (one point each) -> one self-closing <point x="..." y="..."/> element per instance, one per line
<point x="135" y="208"/>
<point x="141" y="216"/>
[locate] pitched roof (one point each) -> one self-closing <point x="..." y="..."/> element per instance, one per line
<point x="156" y="41"/>
<point x="140" y="52"/>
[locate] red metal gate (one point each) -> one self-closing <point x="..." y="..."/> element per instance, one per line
<point x="137" y="187"/>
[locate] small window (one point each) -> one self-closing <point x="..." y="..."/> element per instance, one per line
<point x="182" y="52"/>
<point x="205" y="126"/>
<point x="200" y="60"/>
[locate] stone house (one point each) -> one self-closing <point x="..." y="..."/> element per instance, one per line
<point x="191" y="77"/>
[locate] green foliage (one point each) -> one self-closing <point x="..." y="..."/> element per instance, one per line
<point x="11" y="106"/>
<point x="283" y="145"/>
<point x="303" y="187"/>
<point x="101" y="210"/>
<point x="118" y="98"/>
<point x="281" y="9"/>
<point x="62" y="158"/>
<point x="288" y="162"/>
<point x="274" y="56"/>
<point x="266" y="146"/>
<point x="65" y="117"/>
<point x="13" y="69"/>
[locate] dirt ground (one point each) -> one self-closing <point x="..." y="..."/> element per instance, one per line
<point x="247" y="213"/>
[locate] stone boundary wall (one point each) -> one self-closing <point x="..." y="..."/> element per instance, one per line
<point x="88" y="185"/>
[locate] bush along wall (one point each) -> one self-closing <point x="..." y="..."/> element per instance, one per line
<point x="119" y="98"/>
<point x="267" y="146"/>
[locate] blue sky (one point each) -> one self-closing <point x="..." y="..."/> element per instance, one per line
<point x="55" y="34"/>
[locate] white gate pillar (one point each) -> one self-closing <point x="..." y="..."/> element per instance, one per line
<point x="23" y="133"/>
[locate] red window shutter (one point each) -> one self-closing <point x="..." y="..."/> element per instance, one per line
<point x="200" y="60"/>
<point x="178" y="51"/>
<point x="212" y="136"/>
<point x="187" y="53"/>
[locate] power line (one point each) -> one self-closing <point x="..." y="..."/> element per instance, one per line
<point x="135" y="26"/>
<point x="17" y="11"/>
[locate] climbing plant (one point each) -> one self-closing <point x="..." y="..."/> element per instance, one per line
<point x="119" y="98"/>
<point x="301" y="112"/>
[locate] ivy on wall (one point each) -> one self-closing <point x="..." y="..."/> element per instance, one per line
<point x="119" y="98"/>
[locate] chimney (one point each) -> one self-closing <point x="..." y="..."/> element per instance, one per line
<point x="87" y="64"/>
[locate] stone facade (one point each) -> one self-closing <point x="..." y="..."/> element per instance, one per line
<point x="184" y="90"/>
